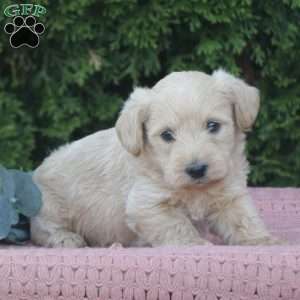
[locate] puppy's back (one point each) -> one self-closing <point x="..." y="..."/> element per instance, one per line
<point x="93" y="157"/>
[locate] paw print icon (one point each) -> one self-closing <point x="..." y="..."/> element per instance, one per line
<point x="24" y="32"/>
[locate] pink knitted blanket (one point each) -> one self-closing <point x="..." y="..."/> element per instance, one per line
<point x="196" y="273"/>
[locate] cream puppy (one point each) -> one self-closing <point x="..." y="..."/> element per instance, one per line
<point x="176" y="155"/>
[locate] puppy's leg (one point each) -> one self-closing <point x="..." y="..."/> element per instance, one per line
<point x="239" y="224"/>
<point x="49" y="234"/>
<point x="155" y="221"/>
<point x="51" y="227"/>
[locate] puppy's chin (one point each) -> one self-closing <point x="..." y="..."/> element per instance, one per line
<point x="203" y="184"/>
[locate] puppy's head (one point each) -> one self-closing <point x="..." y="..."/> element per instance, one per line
<point x="186" y="126"/>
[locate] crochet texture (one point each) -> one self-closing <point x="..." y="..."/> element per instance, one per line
<point x="194" y="273"/>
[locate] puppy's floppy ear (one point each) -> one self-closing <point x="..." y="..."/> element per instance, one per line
<point x="245" y="98"/>
<point x="134" y="114"/>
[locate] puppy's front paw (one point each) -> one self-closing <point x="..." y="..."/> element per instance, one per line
<point x="205" y="243"/>
<point x="66" y="240"/>
<point x="266" y="241"/>
<point x="194" y="242"/>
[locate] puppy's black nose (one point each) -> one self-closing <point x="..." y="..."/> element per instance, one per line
<point x="196" y="170"/>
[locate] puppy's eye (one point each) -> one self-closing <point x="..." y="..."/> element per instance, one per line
<point x="167" y="136"/>
<point x="213" y="127"/>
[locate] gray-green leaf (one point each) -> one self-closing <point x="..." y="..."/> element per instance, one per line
<point x="14" y="216"/>
<point x="5" y="217"/>
<point x="27" y="194"/>
<point x="18" y="235"/>
<point x="7" y="184"/>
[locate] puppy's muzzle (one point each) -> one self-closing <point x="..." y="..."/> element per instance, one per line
<point x="196" y="170"/>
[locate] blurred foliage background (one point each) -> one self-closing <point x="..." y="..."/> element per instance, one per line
<point x="93" y="53"/>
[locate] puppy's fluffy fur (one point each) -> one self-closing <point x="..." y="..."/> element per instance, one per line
<point x="128" y="185"/>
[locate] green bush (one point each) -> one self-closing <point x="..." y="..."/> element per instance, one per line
<point x="94" y="52"/>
